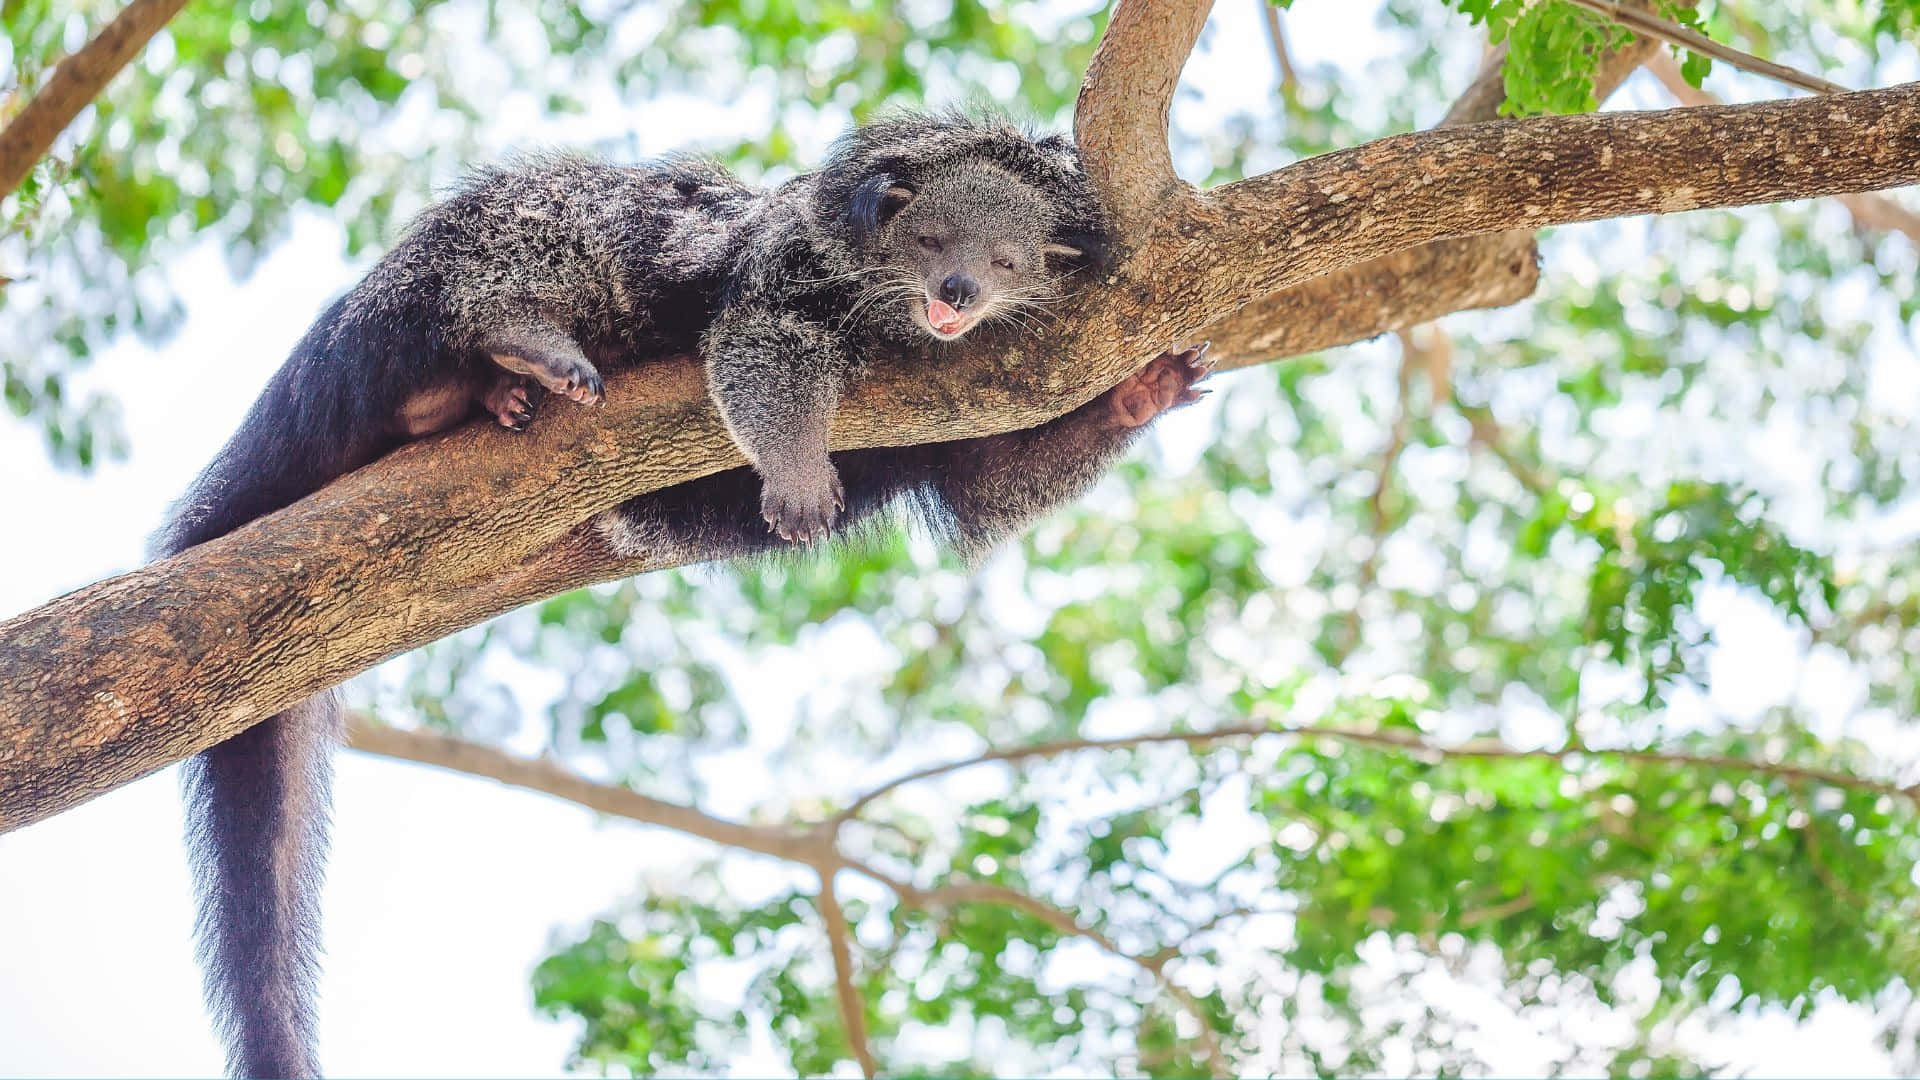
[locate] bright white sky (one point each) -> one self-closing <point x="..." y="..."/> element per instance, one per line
<point x="443" y="890"/>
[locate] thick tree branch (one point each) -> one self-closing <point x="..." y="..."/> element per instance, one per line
<point x="1120" y="120"/>
<point x="1404" y="190"/>
<point x="75" y="82"/>
<point x="1408" y="288"/>
<point x="1873" y="213"/>
<point x="114" y="680"/>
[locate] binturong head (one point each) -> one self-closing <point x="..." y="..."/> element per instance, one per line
<point x="964" y="222"/>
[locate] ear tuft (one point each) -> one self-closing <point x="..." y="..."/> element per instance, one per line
<point x="875" y="201"/>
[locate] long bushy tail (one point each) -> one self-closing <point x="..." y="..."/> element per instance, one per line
<point x="257" y="834"/>
<point x="257" y="804"/>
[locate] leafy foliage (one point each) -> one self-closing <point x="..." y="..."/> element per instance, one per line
<point x="1554" y="48"/>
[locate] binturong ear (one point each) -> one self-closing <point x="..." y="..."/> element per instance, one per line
<point x="1080" y="248"/>
<point x="874" y="203"/>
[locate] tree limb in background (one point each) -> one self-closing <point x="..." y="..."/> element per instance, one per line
<point x="819" y="845"/>
<point x="117" y="679"/>
<point x="75" y="82"/>
<point x="808" y="843"/>
<point x="853" y="1009"/>
<point x="1277" y="37"/>
<point x="1067" y="924"/>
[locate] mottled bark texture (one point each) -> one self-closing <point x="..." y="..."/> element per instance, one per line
<point x="114" y="680"/>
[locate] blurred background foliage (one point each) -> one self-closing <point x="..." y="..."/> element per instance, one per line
<point x="1602" y="606"/>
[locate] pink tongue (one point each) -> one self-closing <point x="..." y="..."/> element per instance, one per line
<point x="942" y="316"/>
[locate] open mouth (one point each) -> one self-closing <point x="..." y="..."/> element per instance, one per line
<point x="945" y="321"/>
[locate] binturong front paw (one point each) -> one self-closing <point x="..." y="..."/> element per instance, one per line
<point x="1165" y="383"/>
<point x="800" y="504"/>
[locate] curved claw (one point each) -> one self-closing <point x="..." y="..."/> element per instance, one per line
<point x="801" y="506"/>
<point x="511" y="403"/>
<point x="1166" y="382"/>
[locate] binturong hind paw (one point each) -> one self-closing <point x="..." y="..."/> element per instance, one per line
<point x="800" y="504"/>
<point x="572" y="377"/>
<point x="511" y="402"/>
<point x="1165" y="383"/>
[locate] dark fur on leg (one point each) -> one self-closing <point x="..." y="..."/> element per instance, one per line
<point x="973" y="493"/>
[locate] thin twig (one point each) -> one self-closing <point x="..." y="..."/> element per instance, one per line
<point x="1475" y="916"/>
<point x="1396" y="442"/>
<point x="1395" y="740"/>
<point x="1488" y="748"/>
<point x="1064" y="921"/>
<point x="853" y="1011"/>
<point x="1168" y="953"/>
<point x="1368" y="573"/>
<point x="1488" y="435"/>
<point x="1651" y="25"/>
<point x="75" y="82"/>
<point x="1276" y="36"/>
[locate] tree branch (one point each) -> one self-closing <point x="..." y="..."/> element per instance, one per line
<point x="1872" y="213"/>
<point x="1277" y="38"/>
<point x="1120" y="119"/>
<point x="75" y="82"/>
<point x="1408" y="288"/>
<point x="114" y="680"/>
<point x="1404" y="190"/>
<point x="817" y="846"/>
<point x="549" y="777"/>
<point x="814" y="846"/>
<point x="853" y="1011"/>
<point x="1393" y="740"/>
<point x="1065" y="923"/>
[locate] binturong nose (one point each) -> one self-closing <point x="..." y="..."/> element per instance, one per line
<point x="959" y="290"/>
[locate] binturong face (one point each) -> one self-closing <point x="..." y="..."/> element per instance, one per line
<point x="971" y="246"/>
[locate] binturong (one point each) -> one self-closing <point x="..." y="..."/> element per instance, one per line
<point x="920" y="237"/>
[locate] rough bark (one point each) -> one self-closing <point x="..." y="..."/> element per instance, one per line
<point x="1871" y="213"/>
<point x="76" y="81"/>
<point x="114" y="680"/>
<point x="1410" y="287"/>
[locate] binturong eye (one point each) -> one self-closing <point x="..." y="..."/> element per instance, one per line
<point x="1004" y="264"/>
<point x="930" y="243"/>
